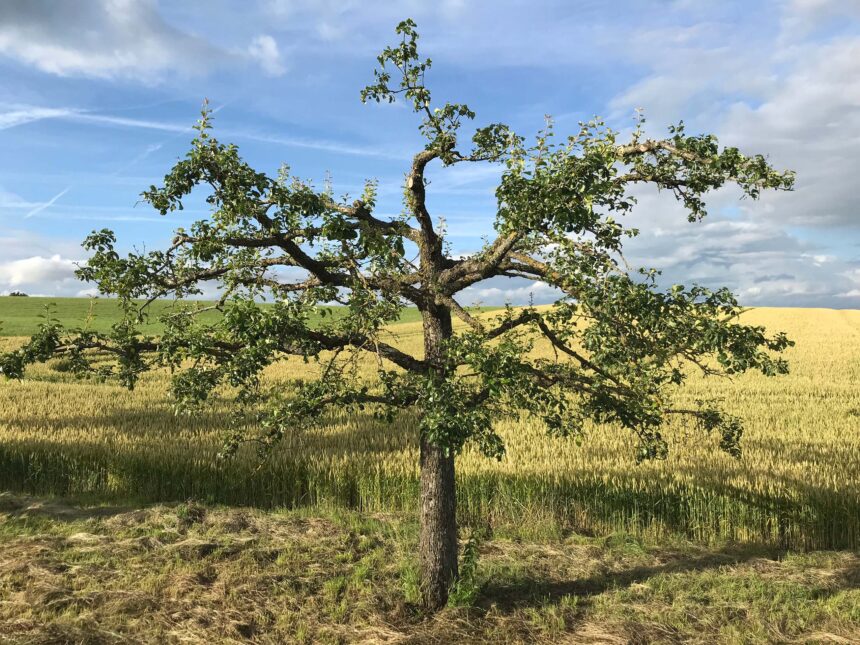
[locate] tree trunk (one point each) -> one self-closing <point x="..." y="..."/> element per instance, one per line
<point x="438" y="543"/>
<point x="438" y="540"/>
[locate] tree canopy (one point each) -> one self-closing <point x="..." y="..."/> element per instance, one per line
<point x="621" y="343"/>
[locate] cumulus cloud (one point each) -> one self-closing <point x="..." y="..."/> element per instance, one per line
<point x="809" y="124"/>
<point x="759" y="259"/>
<point x="264" y="49"/>
<point x="796" y="100"/>
<point x="743" y="256"/>
<point x="35" y="270"/>
<point x="497" y="292"/>
<point x="793" y="94"/>
<point x="37" y="264"/>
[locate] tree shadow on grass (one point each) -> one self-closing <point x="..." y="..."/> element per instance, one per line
<point x="516" y="591"/>
<point x="585" y="603"/>
<point x="57" y="509"/>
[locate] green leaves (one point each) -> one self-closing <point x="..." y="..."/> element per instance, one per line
<point x="440" y="124"/>
<point x="571" y="189"/>
<point x="41" y="347"/>
<point x="690" y="166"/>
<point x="405" y="59"/>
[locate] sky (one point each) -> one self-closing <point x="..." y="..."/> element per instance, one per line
<point x="97" y="100"/>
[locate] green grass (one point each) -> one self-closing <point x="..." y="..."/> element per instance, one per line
<point x="71" y="573"/>
<point x="21" y="316"/>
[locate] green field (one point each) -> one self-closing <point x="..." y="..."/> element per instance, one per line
<point x="21" y="316"/>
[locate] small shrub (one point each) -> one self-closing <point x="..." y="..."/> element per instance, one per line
<point x="465" y="590"/>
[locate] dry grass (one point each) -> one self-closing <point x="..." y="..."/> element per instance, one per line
<point x="193" y="574"/>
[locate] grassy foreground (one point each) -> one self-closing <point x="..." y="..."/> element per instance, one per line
<point x="189" y="573"/>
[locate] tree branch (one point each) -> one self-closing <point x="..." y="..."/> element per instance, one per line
<point x="461" y="313"/>
<point x="468" y="272"/>
<point x="652" y="145"/>
<point x="415" y="184"/>
<point x="362" y="341"/>
<point x="360" y="212"/>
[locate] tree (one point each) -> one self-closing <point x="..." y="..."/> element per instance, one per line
<point x="621" y="343"/>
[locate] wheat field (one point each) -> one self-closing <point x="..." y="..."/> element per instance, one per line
<point x="797" y="485"/>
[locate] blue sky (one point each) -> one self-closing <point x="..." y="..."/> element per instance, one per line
<point x="97" y="98"/>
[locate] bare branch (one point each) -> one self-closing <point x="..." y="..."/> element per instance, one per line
<point x="527" y="316"/>
<point x="473" y="270"/>
<point x="461" y="313"/>
<point x="360" y="212"/>
<point x="652" y="145"/>
<point x="558" y="344"/>
<point x="415" y="185"/>
<point x="362" y="341"/>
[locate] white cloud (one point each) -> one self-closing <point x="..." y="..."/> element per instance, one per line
<point x="13" y="200"/>
<point x="330" y="32"/>
<point x="810" y="124"/>
<point x="324" y="145"/>
<point x="108" y="120"/>
<point x="797" y="100"/>
<point x="38" y="209"/>
<point x="501" y="291"/>
<point x="17" y="115"/>
<point x="264" y="49"/>
<point x="36" y="271"/>
<point x="37" y="264"/>
<point x="794" y="95"/>
<point x="803" y="16"/>
<point x="755" y="257"/>
<point x="100" y="38"/>
<point x="455" y="30"/>
<point x="119" y="121"/>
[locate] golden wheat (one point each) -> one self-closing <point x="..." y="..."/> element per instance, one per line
<point x="797" y="485"/>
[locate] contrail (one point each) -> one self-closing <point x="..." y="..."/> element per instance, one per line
<point x="158" y="146"/>
<point x="42" y="207"/>
<point x="119" y="121"/>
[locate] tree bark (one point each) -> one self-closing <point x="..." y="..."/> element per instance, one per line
<point x="438" y="542"/>
<point x="438" y="539"/>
